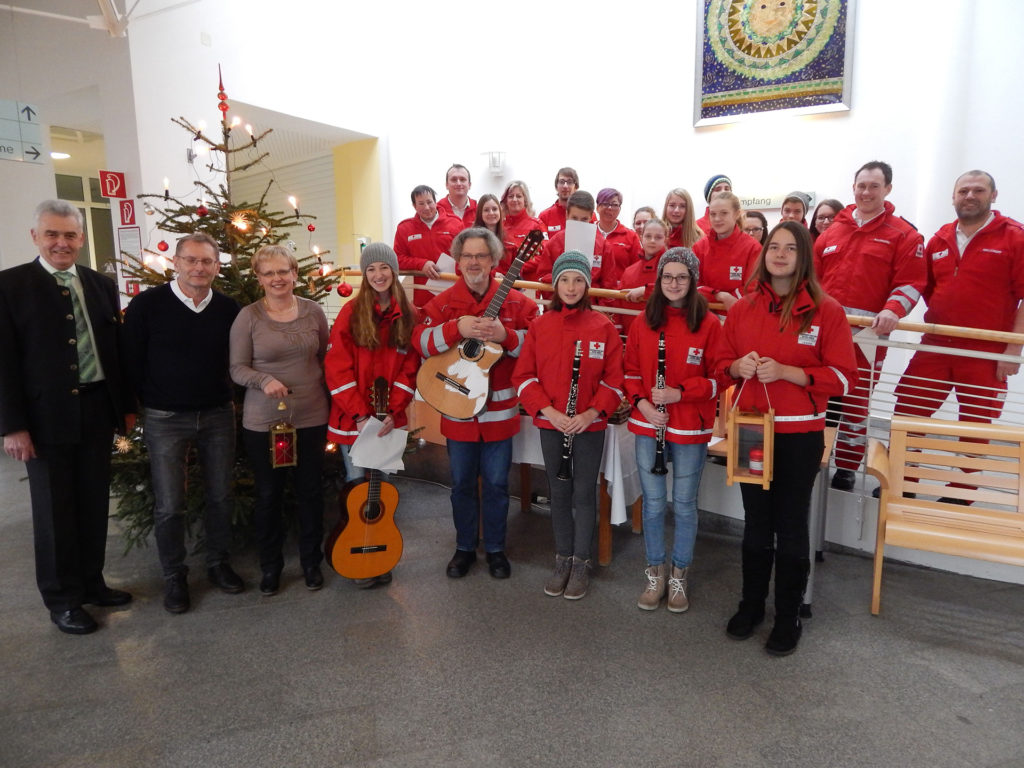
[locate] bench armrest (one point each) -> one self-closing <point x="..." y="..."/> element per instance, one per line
<point x="877" y="463"/>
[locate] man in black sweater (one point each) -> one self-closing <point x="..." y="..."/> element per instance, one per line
<point x="176" y="348"/>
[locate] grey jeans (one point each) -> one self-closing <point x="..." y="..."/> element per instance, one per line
<point x="573" y="502"/>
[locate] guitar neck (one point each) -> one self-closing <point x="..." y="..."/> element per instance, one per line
<point x="526" y="250"/>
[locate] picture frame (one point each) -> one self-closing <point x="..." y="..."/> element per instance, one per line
<point x="769" y="56"/>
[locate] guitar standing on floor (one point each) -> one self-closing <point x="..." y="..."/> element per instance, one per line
<point x="369" y="544"/>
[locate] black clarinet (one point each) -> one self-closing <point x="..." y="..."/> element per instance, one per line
<point x="565" y="468"/>
<point x="659" y="452"/>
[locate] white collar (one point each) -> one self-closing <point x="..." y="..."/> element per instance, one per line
<point x="187" y="301"/>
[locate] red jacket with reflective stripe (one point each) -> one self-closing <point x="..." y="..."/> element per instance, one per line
<point x="439" y="332"/>
<point x="825" y="353"/>
<point x="690" y="363"/>
<point x="543" y="374"/>
<point x="350" y="371"/>
<point x="874" y="267"/>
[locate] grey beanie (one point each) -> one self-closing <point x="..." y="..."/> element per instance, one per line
<point x="713" y="182"/>
<point x="375" y="252"/>
<point x="683" y="256"/>
<point x="801" y="197"/>
<point x="571" y="261"/>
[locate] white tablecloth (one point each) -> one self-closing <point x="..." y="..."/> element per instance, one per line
<point x="618" y="464"/>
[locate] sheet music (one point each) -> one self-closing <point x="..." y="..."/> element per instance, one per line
<point x="445" y="263"/>
<point x="581" y="236"/>
<point x="374" y="452"/>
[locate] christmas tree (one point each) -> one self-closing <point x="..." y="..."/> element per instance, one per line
<point x="240" y="228"/>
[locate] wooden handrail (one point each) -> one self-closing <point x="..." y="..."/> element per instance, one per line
<point x="955" y="331"/>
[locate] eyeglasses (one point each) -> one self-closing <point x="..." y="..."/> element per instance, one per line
<point x="192" y="261"/>
<point x="275" y="273"/>
<point x="752" y="230"/>
<point x="677" y="279"/>
<point x="476" y="256"/>
<point x="565" y="183"/>
<point x="609" y="205"/>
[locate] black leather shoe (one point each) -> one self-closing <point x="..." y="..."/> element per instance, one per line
<point x="498" y="565"/>
<point x="844" y="479"/>
<point x="314" y="577"/>
<point x="270" y="583"/>
<point x="107" y="597"/>
<point x="75" y="621"/>
<point x="225" y="579"/>
<point x="458" y="566"/>
<point x="176" y="598"/>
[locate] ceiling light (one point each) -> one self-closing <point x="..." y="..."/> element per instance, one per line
<point x="59" y="155"/>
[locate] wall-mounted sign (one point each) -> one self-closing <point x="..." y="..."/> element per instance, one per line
<point x="21" y="134"/>
<point x="112" y="184"/>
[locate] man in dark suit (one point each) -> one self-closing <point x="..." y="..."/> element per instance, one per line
<point x="62" y="395"/>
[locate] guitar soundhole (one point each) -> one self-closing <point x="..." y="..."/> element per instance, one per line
<point x="471" y="349"/>
<point x="372" y="511"/>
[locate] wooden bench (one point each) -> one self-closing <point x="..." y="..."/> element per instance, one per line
<point x="979" y="516"/>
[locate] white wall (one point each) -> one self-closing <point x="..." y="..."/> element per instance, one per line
<point x="79" y="78"/>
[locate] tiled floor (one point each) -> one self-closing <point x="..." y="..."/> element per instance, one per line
<point x="432" y="671"/>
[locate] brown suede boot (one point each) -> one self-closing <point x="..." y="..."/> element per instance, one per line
<point x="654" y="589"/>
<point x="677" y="586"/>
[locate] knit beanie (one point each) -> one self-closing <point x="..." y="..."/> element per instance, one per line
<point x="375" y="252"/>
<point x="714" y="181"/>
<point x="683" y="256"/>
<point x="800" y="197"/>
<point x="571" y="261"/>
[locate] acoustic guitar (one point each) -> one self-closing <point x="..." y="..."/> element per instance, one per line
<point x="457" y="382"/>
<point x="369" y="543"/>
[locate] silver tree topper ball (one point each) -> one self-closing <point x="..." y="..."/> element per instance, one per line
<point x="292" y="245"/>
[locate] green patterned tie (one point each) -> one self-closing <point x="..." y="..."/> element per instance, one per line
<point x="87" y="366"/>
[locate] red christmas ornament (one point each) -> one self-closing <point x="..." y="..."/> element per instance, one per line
<point x="202" y="210"/>
<point x="223" y="106"/>
<point x="162" y="245"/>
<point x="344" y="290"/>
<point x="311" y="227"/>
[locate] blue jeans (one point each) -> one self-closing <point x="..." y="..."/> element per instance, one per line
<point x="491" y="462"/>
<point x="687" y="462"/>
<point x="168" y="435"/>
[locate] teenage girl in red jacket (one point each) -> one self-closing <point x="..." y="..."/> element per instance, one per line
<point x="371" y="338"/>
<point x="543" y="379"/>
<point x="790" y="345"/>
<point x="689" y="392"/>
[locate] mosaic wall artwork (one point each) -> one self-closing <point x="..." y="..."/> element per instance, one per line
<point x="767" y="55"/>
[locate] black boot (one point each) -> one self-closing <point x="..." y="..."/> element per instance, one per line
<point x="790" y="583"/>
<point x="757" y="572"/>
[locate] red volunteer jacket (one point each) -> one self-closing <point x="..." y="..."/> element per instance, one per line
<point x="543" y="374"/>
<point x="439" y="332"/>
<point x="825" y="353"/>
<point x="518" y="227"/>
<point x="554" y="218"/>
<point x="541" y="267"/>
<point x="874" y="267"/>
<point x="350" y="371"/>
<point x="643" y="272"/>
<point x="416" y="244"/>
<point x="624" y="247"/>
<point x="726" y="263"/>
<point x="690" y="363"/>
<point x="445" y="206"/>
<point x="979" y="288"/>
<point x="704" y="222"/>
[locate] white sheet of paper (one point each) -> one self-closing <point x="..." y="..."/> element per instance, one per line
<point x="865" y="339"/>
<point x="581" y="236"/>
<point x="445" y="263"/>
<point x="383" y="453"/>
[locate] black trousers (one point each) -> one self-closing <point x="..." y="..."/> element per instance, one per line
<point x="270" y="483"/>
<point x="70" y="487"/>
<point x="778" y="517"/>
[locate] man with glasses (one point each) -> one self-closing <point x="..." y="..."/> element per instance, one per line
<point x="567" y="181"/>
<point x="480" y="448"/>
<point x="176" y="347"/>
<point x="62" y="394"/>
